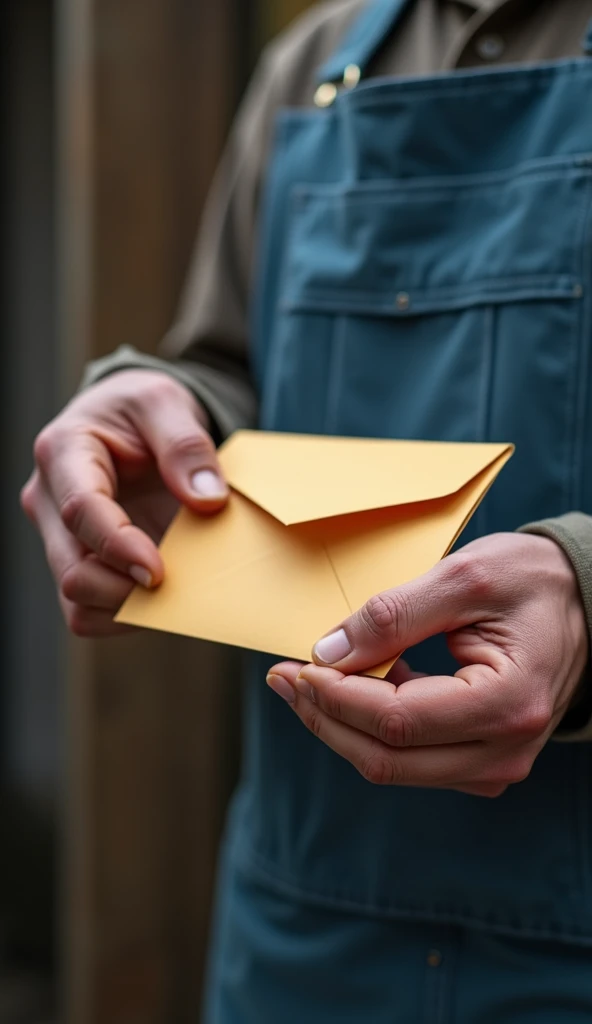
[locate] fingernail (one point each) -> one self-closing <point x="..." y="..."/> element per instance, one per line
<point x="208" y="484"/>
<point x="305" y="689"/>
<point x="282" y="687"/>
<point x="141" y="576"/>
<point x="332" y="648"/>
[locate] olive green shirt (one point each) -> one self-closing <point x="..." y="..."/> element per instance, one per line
<point x="207" y="347"/>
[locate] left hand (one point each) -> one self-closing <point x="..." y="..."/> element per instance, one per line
<point x="512" y="609"/>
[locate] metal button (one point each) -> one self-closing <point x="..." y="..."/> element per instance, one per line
<point x="325" y="94"/>
<point x="490" y="47"/>
<point x="403" y="301"/>
<point x="351" y="76"/>
<point x="434" y="958"/>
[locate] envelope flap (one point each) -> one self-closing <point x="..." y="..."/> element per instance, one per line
<point x="299" y="478"/>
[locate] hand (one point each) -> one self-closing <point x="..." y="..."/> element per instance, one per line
<point x="512" y="610"/>
<point x="110" y="472"/>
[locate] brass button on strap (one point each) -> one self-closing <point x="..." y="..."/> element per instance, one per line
<point x="351" y="76"/>
<point x="325" y="94"/>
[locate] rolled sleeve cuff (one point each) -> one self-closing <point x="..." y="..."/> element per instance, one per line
<point x="573" y="533"/>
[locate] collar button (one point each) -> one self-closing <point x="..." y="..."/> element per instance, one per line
<point x="490" y="47"/>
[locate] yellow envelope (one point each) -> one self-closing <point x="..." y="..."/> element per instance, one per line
<point x="314" y="527"/>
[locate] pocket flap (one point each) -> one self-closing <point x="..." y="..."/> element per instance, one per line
<point x="412" y="247"/>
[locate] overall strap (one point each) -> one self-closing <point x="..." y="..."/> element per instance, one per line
<point x="364" y="38"/>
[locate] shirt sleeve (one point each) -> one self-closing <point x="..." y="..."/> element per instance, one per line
<point x="573" y="533"/>
<point x="207" y="348"/>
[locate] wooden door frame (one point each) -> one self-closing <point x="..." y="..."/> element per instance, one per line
<point x="145" y="90"/>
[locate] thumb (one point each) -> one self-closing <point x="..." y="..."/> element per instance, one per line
<point x="172" y="428"/>
<point x="442" y="600"/>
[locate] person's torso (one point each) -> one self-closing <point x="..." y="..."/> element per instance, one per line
<point x="427" y="273"/>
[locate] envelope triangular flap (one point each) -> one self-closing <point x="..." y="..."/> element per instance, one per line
<point x="301" y="478"/>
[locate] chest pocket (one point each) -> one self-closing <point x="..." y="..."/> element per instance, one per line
<point x="450" y="309"/>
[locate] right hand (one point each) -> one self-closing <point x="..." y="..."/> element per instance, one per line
<point x="110" y="472"/>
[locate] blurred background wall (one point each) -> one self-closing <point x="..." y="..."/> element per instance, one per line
<point x="116" y="759"/>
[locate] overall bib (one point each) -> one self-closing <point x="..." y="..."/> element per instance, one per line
<point x="426" y="272"/>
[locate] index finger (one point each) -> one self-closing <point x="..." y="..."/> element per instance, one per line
<point x="81" y="478"/>
<point x="426" y="711"/>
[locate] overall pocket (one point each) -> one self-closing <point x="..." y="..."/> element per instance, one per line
<point x="452" y="310"/>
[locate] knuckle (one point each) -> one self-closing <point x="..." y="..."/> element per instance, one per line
<point x="331" y="704"/>
<point x="380" y="769"/>
<point x="28" y="500"/>
<point x="536" y="721"/>
<point x="512" y="770"/>
<point x="156" y="388"/>
<point x="527" y="722"/>
<point x="70" y="583"/>
<point x="494" y="792"/>
<point x="72" y="510"/>
<point x="314" y="721"/>
<point x="395" y="728"/>
<point x="107" y="546"/>
<point x="147" y="391"/>
<point x="465" y="570"/>
<point x="159" y="392"/>
<point x="196" y="443"/>
<point x="44" y="446"/>
<point x="519" y="769"/>
<point x="80" y="622"/>
<point x="386" y="613"/>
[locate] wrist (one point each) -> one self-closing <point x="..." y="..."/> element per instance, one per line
<point x="572" y="533"/>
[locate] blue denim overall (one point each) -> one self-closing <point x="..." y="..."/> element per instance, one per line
<point x="426" y="272"/>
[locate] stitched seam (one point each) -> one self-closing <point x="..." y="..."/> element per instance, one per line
<point x="489" y="343"/>
<point x="583" y="368"/>
<point x="547" y="281"/>
<point x="477" y="83"/>
<point x="376" y="190"/>
<point x="266" y="875"/>
<point x="585" y="793"/>
<point x="334" y="374"/>
<point x="270" y="351"/>
<point x="346" y="299"/>
<point x="485" y="399"/>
